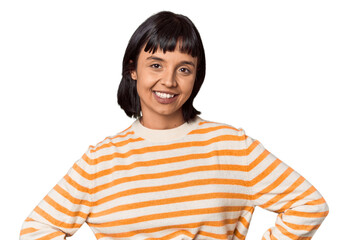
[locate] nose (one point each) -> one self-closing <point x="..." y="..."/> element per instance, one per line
<point x="169" y="79"/>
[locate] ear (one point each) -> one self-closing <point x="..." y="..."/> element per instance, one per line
<point x="134" y="75"/>
<point x="133" y="72"/>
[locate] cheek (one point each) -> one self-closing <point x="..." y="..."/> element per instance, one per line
<point x="142" y="83"/>
<point x="189" y="83"/>
<point x="146" y="79"/>
<point x="142" y="89"/>
<point x="187" y="91"/>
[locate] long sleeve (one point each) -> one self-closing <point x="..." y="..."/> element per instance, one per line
<point x="277" y="187"/>
<point x="65" y="208"/>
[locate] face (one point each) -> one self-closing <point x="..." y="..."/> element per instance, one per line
<point x="164" y="83"/>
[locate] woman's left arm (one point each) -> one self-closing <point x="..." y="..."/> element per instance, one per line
<point x="277" y="187"/>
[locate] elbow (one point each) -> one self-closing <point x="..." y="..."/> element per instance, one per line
<point x="317" y="210"/>
<point x="325" y="208"/>
<point x="322" y="210"/>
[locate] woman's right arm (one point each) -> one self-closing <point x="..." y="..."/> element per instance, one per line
<point x="65" y="208"/>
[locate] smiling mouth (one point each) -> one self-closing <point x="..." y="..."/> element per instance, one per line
<point x="164" y="95"/>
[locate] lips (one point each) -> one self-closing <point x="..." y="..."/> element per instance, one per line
<point x="165" y="97"/>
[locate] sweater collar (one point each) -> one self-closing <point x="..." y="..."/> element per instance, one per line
<point x="165" y="135"/>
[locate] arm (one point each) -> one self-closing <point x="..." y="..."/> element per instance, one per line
<point x="64" y="209"/>
<point x="277" y="187"/>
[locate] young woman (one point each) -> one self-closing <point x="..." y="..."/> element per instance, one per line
<point x="171" y="174"/>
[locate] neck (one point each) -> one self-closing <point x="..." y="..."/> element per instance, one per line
<point x="161" y="122"/>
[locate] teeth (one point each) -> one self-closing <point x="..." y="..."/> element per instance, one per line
<point x="164" y="95"/>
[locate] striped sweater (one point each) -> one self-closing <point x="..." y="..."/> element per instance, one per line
<point x="201" y="180"/>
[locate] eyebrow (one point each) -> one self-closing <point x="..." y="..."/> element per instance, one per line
<point x="162" y="60"/>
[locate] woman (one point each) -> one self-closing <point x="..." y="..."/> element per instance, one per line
<point x="171" y="174"/>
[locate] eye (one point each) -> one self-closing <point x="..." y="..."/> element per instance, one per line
<point x="155" y="65"/>
<point x="184" y="70"/>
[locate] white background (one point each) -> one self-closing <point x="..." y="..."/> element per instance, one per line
<point x="275" y="68"/>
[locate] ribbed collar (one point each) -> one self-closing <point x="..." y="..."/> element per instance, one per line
<point x="165" y="135"/>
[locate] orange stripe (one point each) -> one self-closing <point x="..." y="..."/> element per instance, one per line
<point x="265" y="173"/>
<point x="166" y="201"/>
<point x="316" y="202"/>
<point x="279" y="196"/>
<point x="302" y="196"/>
<point x="158" y="148"/>
<point x="64" y="210"/>
<point x="237" y="234"/>
<point x="191" y="183"/>
<point x="211" y="129"/>
<point x="205" y="122"/>
<point x="214" y="235"/>
<point x="291" y="235"/>
<point x="270" y="235"/>
<point x="173" y="235"/>
<point x="273" y="237"/>
<point x="275" y="184"/>
<point x="199" y="182"/>
<point x="83" y="173"/>
<point x="307" y="214"/>
<point x="120" y="135"/>
<point x="51" y="236"/>
<point x="245" y="222"/>
<point x="112" y="138"/>
<point x="127" y="129"/>
<point x="117" y="144"/>
<point x="171" y="215"/>
<point x="258" y="160"/>
<point x="28" y="230"/>
<point x="157" y="229"/>
<point x="54" y="221"/>
<point x="158" y="162"/>
<point x="184" y="232"/>
<point x="229" y="167"/>
<point x="76" y="185"/>
<point x="72" y="199"/>
<point x="152" y="176"/>
<point x="298" y="227"/>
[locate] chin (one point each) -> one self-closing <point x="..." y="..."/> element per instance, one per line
<point x="169" y="113"/>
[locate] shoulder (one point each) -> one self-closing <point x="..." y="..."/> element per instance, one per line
<point x="116" y="140"/>
<point x="226" y="133"/>
<point x="207" y="126"/>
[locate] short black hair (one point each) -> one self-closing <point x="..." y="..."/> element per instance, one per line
<point x="164" y="30"/>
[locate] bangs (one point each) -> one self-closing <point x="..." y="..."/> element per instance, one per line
<point x="168" y="34"/>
